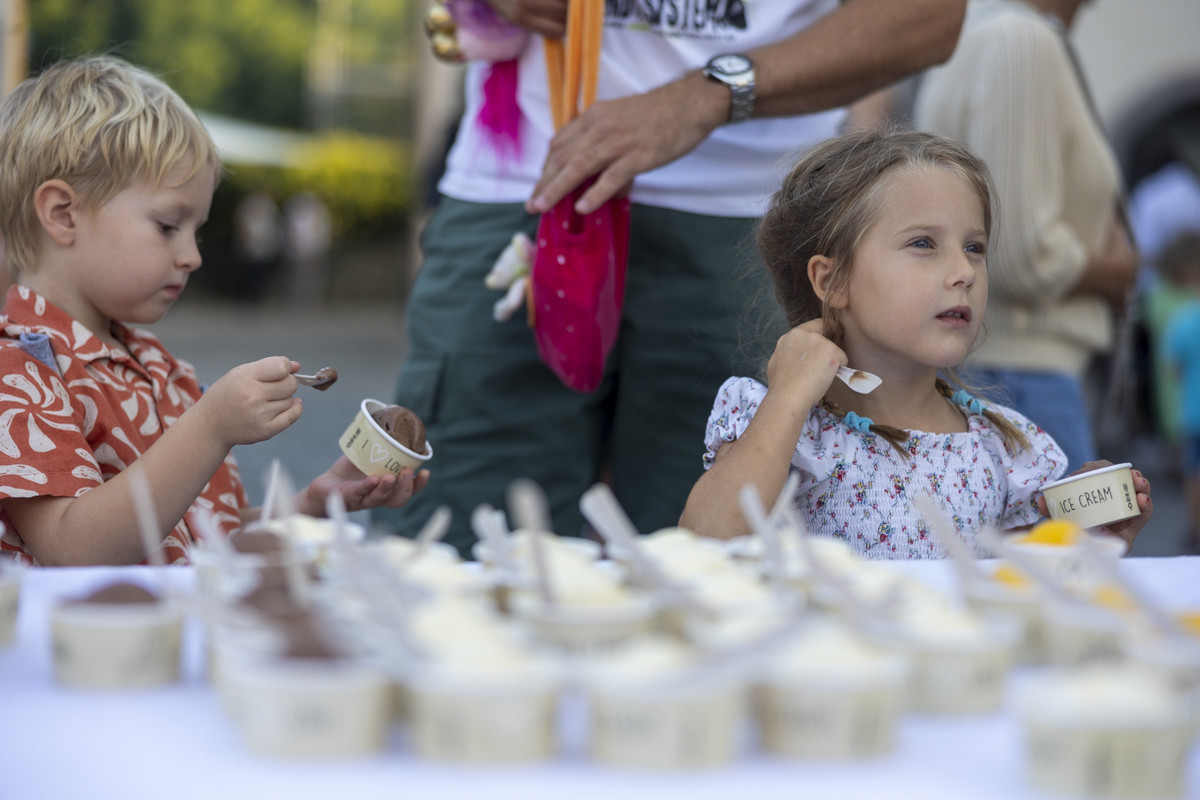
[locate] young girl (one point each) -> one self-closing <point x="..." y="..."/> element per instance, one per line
<point x="877" y="244"/>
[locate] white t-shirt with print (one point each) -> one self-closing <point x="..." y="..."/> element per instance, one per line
<point x="648" y="43"/>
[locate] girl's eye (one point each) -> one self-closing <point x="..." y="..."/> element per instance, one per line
<point x="977" y="247"/>
<point x="922" y="242"/>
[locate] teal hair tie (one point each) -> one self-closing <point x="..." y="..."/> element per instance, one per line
<point x="966" y="399"/>
<point x="860" y="424"/>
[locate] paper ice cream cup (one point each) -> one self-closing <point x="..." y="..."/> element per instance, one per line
<point x="646" y="726"/>
<point x="961" y="675"/>
<point x="1079" y="634"/>
<point x="658" y="705"/>
<point x="1066" y="563"/>
<point x="1024" y="604"/>
<point x="300" y="708"/>
<point x="584" y="630"/>
<point x="10" y="596"/>
<point x="108" y="646"/>
<point x="372" y="450"/>
<point x="830" y="696"/>
<point x="1109" y="732"/>
<point x="469" y="716"/>
<point x="1099" y="497"/>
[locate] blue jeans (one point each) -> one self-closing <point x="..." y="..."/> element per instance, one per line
<point x="1053" y="400"/>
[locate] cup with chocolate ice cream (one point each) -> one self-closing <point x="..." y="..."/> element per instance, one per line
<point x="120" y="636"/>
<point x="383" y="439"/>
<point x="314" y="697"/>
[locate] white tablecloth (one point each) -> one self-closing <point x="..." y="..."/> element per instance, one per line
<point x="176" y="743"/>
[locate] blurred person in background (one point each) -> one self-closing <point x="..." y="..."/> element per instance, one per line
<point x="700" y="150"/>
<point x="1181" y="345"/>
<point x="1062" y="264"/>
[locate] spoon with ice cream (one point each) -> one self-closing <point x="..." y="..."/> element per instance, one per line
<point x="321" y="380"/>
<point x="859" y="381"/>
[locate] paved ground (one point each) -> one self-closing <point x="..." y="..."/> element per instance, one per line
<point x="365" y="345"/>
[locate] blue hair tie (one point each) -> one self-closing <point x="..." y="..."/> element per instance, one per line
<point x="964" y="398"/>
<point x="860" y="424"/>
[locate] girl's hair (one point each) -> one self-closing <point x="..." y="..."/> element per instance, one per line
<point x="99" y="124"/>
<point x="827" y="203"/>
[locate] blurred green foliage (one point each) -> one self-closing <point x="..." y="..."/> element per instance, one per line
<point x="363" y="180"/>
<point x="245" y="58"/>
<point x="283" y="63"/>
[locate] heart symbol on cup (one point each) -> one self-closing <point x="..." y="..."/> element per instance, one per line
<point x="378" y="454"/>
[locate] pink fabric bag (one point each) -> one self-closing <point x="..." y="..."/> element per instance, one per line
<point x="578" y="287"/>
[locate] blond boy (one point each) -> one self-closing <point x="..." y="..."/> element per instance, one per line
<point x="105" y="178"/>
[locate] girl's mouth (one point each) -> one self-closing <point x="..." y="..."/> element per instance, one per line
<point x="962" y="313"/>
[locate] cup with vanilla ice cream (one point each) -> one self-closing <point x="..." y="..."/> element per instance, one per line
<point x="1112" y="730"/>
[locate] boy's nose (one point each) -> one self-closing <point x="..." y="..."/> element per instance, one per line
<point x="189" y="257"/>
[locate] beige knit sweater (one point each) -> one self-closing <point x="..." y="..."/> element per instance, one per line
<point x="1011" y="93"/>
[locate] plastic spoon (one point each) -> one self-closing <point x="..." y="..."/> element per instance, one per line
<point x="601" y="508"/>
<point x="148" y="527"/>
<point x="763" y="525"/>
<point x="859" y="381"/>
<point x="433" y="531"/>
<point x="530" y="509"/>
<point x="382" y="596"/>
<point x="963" y="559"/>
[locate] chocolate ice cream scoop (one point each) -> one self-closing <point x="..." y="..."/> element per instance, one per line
<point x="245" y="541"/>
<point x="402" y="425"/>
<point x="321" y="380"/>
<point x="121" y="593"/>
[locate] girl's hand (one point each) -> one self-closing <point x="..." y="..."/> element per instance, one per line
<point x="252" y="402"/>
<point x="804" y="363"/>
<point x="1126" y="529"/>
<point x="360" y="491"/>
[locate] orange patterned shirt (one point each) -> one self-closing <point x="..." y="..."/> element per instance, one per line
<point x="65" y="431"/>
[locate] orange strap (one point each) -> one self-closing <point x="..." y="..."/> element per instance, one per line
<point x="573" y="63"/>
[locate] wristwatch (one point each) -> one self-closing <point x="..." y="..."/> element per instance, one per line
<point x="737" y="72"/>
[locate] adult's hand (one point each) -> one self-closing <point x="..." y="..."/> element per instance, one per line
<point x="545" y="17"/>
<point x="1112" y="272"/>
<point x="861" y="46"/>
<point x="617" y="140"/>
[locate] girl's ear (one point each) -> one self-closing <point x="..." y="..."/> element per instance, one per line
<point x="57" y="205"/>
<point x="820" y="275"/>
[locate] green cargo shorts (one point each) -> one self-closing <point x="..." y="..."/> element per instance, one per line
<point x="695" y="301"/>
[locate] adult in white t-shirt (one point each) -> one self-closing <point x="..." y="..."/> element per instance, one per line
<point x="493" y="410"/>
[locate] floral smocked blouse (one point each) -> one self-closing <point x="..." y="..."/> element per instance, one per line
<point x="855" y="485"/>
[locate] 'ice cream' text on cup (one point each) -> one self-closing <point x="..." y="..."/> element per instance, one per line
<point x="1090" y="499"/>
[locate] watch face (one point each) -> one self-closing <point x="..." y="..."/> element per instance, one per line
<point x="730" y="64"/>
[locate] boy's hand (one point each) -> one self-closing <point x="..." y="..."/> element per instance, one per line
<point x="360" y="491"/>
<point x="253" y="402"/>
<point x="1126" y="529"/>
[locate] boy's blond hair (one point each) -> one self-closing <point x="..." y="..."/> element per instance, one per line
<point x="100" y="124"/>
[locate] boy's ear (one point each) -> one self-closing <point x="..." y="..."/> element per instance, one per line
<point x="820" y="275"/>
<point x="57" y="206"/>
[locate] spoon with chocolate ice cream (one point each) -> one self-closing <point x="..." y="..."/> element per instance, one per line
<point x="322" y="380"/>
